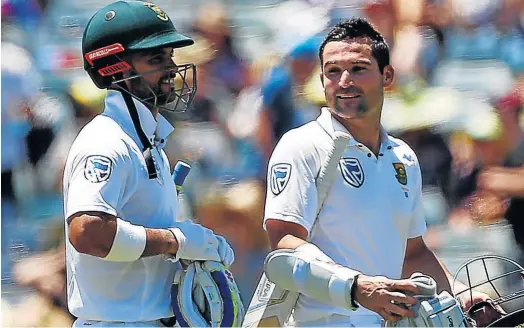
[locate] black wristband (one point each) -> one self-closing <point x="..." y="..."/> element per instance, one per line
<point x="353" y="291"/>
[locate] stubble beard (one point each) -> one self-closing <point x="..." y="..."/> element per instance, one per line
<point x="139" y="87"/>
<point x="361" y="110"/>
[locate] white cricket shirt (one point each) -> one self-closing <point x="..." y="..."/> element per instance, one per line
<point x="371" y="210"/>
<point x="106" y="171"/>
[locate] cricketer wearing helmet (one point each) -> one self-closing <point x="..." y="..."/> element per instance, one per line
<point x="123" y="242"/>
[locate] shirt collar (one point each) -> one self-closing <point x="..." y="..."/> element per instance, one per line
<point x="155" y="129"/>
<point x="331" y="125"/>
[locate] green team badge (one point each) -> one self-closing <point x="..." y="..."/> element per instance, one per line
<point x="159" y="12"/>
<point x="401" y="175"/>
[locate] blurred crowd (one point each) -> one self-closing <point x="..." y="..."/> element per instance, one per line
<point x="457" y="100"/>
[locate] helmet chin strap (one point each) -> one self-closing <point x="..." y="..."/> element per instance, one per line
<point x="146" y="143"/>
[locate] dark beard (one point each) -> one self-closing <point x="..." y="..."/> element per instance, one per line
<point x="140" y="90"/>
<point x="362" y="107"/>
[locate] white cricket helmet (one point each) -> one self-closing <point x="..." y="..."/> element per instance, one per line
<point x="205" y="294"/>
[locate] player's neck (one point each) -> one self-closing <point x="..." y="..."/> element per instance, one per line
<point x="365" y="131"/>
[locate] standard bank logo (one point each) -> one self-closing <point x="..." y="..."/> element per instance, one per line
<point x="352" y="171"/>
<point x="280" y="174"/>
<point x="98" y="168"/>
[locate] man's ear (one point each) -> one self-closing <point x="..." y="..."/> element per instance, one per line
<point x="321" y="76"/>
<point x="388" y="76"/>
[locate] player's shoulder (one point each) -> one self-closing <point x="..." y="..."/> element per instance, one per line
<point x="403" y="151"/>
<point x="304" y="146"/>
<point x="100" y="136"/>
<point x="305" y="138"/>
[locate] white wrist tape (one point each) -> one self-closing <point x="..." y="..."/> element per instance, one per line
<point x="309" y="271"/>
<point x="129" y="243"/>
<point x="181" y="239"/>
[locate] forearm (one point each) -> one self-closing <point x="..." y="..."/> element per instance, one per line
<point x="299" y="266"/>
<point x="160" y="241"/>
<point x="425" y="261"/>
<point x="509" y="182"/>
<point x="309" y="271"/>
<point x="94" y="234"/>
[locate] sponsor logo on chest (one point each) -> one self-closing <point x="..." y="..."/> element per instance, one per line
<point x="352" y="171"/>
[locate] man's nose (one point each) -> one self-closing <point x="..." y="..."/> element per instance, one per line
<point x="345" y="79"/>
<point x="173" y="67"/>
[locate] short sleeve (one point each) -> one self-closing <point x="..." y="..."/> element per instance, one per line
<point x="417" y="225"/>
<point x="97" y="180"/>
<point x="291" y="193"/>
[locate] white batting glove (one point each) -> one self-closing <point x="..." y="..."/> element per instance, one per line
<point x="227" y="256"/>
<point x="195" y="242"/>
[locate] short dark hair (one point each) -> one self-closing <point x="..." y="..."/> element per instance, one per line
<point x="359" y="28"/>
